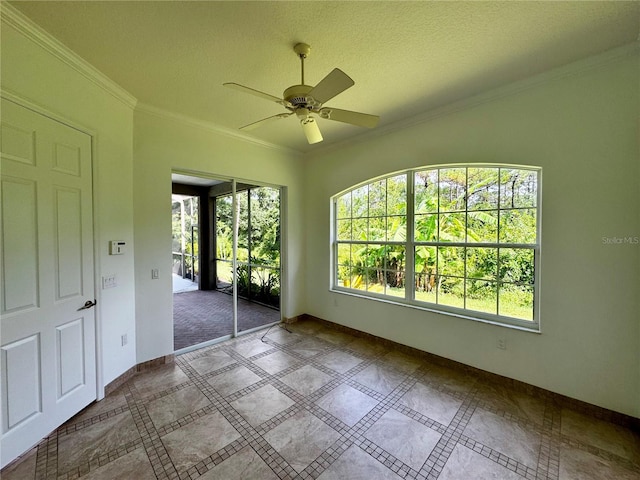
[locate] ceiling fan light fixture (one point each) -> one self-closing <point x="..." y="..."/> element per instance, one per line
<point x="302" y="113"/>
<point x="311" y="130"/>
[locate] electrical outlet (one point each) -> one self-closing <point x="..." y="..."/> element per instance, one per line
<point x="123" y="340"/>
<point x="502" y="343"/>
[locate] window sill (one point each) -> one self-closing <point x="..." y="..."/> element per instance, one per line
<point x="533" y="328"/>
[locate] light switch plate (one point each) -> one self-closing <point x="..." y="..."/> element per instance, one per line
<point x="116" y="247"/>
<point x="109" y="281"/>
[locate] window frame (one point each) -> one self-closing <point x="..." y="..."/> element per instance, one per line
<point x="410" y="244"/>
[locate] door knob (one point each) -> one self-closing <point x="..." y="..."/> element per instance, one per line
<point x="88" y="304"/>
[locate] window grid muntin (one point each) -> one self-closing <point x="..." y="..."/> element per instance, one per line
<point x="352" y="215"/>
<point x="467" y="244"/>
<point x="411" y="245"/>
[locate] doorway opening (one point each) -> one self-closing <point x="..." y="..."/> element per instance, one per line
<point x="226" y="258"/>
<point x="185" y="242"/>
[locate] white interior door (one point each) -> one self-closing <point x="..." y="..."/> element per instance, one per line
<point x="48" y="354"/>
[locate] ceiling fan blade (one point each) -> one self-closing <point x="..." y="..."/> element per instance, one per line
<point x="347" y="116"/>
<point x="257" y="93"/>
<point x="311" y="130"/>
<point x="336" y="82"/>
<point x="259" y="123"/>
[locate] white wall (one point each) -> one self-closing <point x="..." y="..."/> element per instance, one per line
<point x="583" y="130"/>
<point x="35" y="74"/>
<point x="163" y="143"/>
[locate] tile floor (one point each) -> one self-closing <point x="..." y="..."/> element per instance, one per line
<point x="320" y="403"/>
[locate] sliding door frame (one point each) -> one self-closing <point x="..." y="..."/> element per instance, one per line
<point x="210" y="243"/>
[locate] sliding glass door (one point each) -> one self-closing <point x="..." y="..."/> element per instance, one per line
<point x="251" y="271"/>
<point x="258" y="257"/>
<point x="226" y="253"/>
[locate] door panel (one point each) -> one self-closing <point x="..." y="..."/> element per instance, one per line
<point x="68" y="240"/>
<point x="20" y="250"/>
<point x="18" y="144"/>
<point x="21" y="368"/>
<point x="67" y="159"/>
<point x="71" y="360"/>
<point x="48" y="345"/>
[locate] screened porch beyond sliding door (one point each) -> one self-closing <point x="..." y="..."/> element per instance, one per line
<point x="204" y="307"/>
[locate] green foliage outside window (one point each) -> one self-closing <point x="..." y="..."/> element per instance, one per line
<point x="473" y="238"/>
<point x="185" y="229"/>
<point x="258" y="253"/>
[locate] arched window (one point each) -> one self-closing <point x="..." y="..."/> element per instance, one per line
<point x="459" y="239"/>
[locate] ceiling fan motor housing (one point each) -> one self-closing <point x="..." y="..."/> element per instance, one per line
<point x="297" y="95"/>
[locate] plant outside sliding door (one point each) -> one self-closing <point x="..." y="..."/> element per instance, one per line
<point x="460" y="239"/>
<point x="224" y="242"/>
<point x="258" y="252"/>
<point x="258" y="272"/>
<point x="185" y="238"/>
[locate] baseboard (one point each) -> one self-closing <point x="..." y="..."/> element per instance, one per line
<point x="557" y="398"/>
<point x="140" y="367"/>
<point x="297" y="318"/>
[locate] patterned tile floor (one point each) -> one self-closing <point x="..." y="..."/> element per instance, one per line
<point x="320" y="403"/>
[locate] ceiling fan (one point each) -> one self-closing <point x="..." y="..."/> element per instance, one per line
<point x="306" y="101"/>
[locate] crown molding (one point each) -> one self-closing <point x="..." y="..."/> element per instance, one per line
<point x="212" y="127"/>
<point x="25" y="26"/>
<point x="571" y="69"/>
<point x="14" y="97"/>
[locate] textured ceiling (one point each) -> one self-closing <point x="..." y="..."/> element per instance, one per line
<point x="405" y="57"/>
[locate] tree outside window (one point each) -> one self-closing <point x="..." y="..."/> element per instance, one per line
<point x="461" y="239"/>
